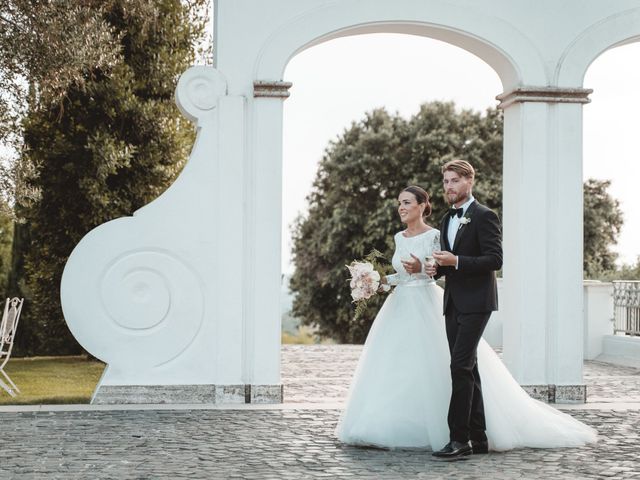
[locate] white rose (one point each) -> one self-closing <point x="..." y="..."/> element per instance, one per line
<point x="357" y="294"/>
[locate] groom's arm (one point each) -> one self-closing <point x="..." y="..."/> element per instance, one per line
<point x="442" y="271"/>
<point x="490" y="238"/>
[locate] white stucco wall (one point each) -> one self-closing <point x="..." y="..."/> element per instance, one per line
<point x="187" y="290"/>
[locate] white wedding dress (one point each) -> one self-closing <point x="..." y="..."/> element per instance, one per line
<point x="399" y="396"/>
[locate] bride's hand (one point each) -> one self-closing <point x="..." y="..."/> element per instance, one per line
<point x="412" y="266"/>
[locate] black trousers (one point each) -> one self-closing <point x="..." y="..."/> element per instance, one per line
<point x="466" y="410"/>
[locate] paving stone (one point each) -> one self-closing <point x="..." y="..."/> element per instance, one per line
<point x="298" y="443"/>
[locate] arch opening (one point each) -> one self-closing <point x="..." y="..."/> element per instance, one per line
<point x="471" y="83"/>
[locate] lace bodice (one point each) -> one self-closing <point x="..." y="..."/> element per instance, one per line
<point x="421" y="246"/>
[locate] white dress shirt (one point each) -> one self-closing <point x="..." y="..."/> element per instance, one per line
<point x="454" y="224"/>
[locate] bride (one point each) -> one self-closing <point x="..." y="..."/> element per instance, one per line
<point x="399" y="396"/>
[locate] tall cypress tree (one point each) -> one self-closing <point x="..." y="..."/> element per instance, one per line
<point x="113" y="145"/>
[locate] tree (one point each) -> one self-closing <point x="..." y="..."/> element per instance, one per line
<point x="352" y="206"/>
<point x="624" y="272"/>
<point x="602" y="224"/>
<point x="115" y="143"/>
<point x="6" y="240"/>
<point x="45" y="47"/>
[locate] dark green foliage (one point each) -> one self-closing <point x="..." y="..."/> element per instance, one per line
<point x="602" y="224"/>
<point x="6" y="240"/>
<point x="625" y="272"/>
<point x="352" y="208"/>
<point x="114" y="144"/>
<point x="46" y="46"/>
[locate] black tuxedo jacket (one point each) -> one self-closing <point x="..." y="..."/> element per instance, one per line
<point x="478" y="244"/>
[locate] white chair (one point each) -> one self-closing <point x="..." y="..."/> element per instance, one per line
<point x="8" y="327"/>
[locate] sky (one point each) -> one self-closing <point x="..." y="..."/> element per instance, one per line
<point x="336" y="82"/>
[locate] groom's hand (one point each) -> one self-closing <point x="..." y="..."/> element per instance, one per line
<point x="412" y="266"/>
<point x="445" y="259"/>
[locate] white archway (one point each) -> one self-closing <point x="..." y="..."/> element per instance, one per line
<point x="182" y="299"/>
<point x="615" y="30"/>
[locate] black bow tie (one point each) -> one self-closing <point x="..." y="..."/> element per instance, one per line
<point x="456" y="211"/>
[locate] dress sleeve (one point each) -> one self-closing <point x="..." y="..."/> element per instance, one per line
<point x="392" y="279"/>
<point x="434" y="243"/>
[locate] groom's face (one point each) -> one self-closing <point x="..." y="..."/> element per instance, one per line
<point x="457" y="189"/>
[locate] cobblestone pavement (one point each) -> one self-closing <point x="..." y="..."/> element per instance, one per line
<point x="287" y="444"/>
<point x="318" y="373"/>
<point x="296" y="441"/>
<point x="322" y="373"/>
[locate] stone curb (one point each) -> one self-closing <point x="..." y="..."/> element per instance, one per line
<point x="283" y="406"/>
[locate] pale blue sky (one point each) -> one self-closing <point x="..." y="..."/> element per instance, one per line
<point x="337" y="82"/>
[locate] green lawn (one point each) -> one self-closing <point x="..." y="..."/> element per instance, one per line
<point x="52" y="380"/>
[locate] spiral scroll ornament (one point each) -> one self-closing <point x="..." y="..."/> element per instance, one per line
<point x="147" y="309"/>
<point x="198" y="91"/>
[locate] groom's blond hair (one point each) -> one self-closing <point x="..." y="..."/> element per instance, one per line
<point x="461" y="167"/>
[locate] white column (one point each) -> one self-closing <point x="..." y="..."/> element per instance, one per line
<point x="263" y="220"/>
<point x="542" y="207"/>
<point x="230" y="235"/>
<point x="523" y="304"/>
<point x="566" y="291"/>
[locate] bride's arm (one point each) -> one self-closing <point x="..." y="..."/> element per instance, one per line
<point x="391" y="279"/>
<point x="442" y="271"/>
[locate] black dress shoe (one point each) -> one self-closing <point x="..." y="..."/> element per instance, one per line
<point x="444" y="451"/>
<point x="479" y="446"/>
<point x="454" y="449"/>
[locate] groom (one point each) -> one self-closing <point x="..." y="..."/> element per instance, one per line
<point x="471" y="247"/>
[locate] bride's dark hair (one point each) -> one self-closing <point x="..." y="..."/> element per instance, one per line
<point x="422" y="197"/>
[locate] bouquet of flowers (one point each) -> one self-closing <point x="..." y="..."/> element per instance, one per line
<point x="365" y="280"/>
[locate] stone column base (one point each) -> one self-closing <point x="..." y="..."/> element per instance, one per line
<point x="544" y="393"/>
<point x="265" y="394"/>
<point x="571" y="393"/>
<point x="557" y="393"/>
<point x="186" y="394"/>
